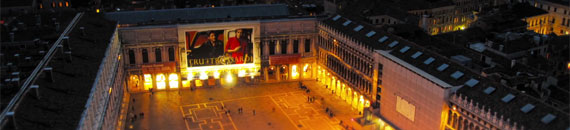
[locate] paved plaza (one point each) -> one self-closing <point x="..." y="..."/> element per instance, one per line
<point x="281" y="106"/>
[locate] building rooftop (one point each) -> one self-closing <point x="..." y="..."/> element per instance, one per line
<point x="174" y="15"/>
<point x="472" y="84"/>
<point x="373" y="8"/>
<point x="63" y="101"/>
<point x="30" y="43"/>
<point x="16" y="3"/>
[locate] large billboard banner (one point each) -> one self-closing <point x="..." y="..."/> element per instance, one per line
<point x="219" y="47"/>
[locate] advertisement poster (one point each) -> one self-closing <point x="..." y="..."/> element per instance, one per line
<point x="219" y="47"/>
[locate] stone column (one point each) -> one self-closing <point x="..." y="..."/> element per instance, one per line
<point x="278" y="72"/>
<point x="265" y="74"/>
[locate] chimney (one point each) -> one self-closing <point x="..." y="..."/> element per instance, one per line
<point x="82" y="31"/>
<point x="48" y="74"/>
<point x="12" y="36"/>
<point x="65" y="43"/>
<point x="57" y="26"/>
<point x="501" y="48"/>
<point x="38" y="20"/>
<point x="424" y="22"/>
<point x="513" y="62"/>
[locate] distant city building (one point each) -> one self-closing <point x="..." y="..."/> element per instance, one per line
<point x="556" y="21"/>
<point x="424" y="90"/>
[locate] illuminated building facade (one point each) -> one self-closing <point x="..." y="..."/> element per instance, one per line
<point x="348" y="67"/>
<point x="419" y="88"/>
<point x="434" y="16"/>
<point x="556" y="21"/>
<point x="288" y="53"/>
<point x="190" y="54"/>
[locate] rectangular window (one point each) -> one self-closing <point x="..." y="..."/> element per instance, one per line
<point x="272" y="47"/>
<point x="132" y="57"/>
<point x="295" y="46"/>
<point x="284" y="46"/>
<point x="307" y="45"/>
<point x="158" y="55"/>
<point x="145" y="56"/>
<point x="170" y="54"/>
<point x="405" y="108"/>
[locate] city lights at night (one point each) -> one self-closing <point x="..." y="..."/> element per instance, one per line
<point x="285" y="65"/>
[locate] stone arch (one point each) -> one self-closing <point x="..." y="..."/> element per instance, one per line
<point x="449" y="117"/>
<point x="454" y="122"/>
<point x="460" y="124"/>
<point x="465" y="124"/>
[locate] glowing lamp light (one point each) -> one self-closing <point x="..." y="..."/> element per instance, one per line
<point x="190" y="76"/>
<point x="160" y="81"/>
<point x="203" y="75"/>
<point x="462" y="28"/>
<point x="454" y="108"/>
<point x="216" y="74"/>
<point x="97" y="10"/>
<point x="241" y="73"/>
<point x="229" y="78"/>
<point x="147" y="78"/>
<point x="569" y="65"/>
<point x="306" y="67"/>
<point x="173" y="80"/>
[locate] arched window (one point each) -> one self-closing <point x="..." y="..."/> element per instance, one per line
<point x="132" y="57"/>
<point x="145" y="56"/>
<point x="158" y="54"/>
<point x="171" y="54"/>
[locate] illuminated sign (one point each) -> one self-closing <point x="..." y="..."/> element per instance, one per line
<point x="219" y="47"/>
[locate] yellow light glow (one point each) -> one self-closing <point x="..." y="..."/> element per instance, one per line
<point x="294" y="73"/>
<point x="173" y="80"/>
<point x="110" y="90"/>
<point x="160" y="81"/>
<point x="454" y="108"/>
<point x="367" y="104"/>
<point x="203" y="75"/>
<point x="462" y="28"/>
<point x="190" y="76"/>
<point x="241" y="73"/>
<point x="186" y="83"/>
<point x="147" y="81"/>
<point x="229" y="78"/>
<point x="66" y="4"/>
<point x="97" y="10"/>
<point x="569" y="65"/>
<point x="216" y="75"/>
<point x="305" y="67"/>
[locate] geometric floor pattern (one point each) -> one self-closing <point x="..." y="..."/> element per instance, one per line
<point x="294" y="105"/>
<point x="206" y="116"/>
<point x="305" y="115"/>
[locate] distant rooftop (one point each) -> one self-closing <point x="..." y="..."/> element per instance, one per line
<point x="247" y="11"/>
<point x="63" y="101"/>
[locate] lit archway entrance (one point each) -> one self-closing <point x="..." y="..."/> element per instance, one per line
<point x="160" y="81"/>
<point x="147" y="81"/>
<point x="173" y="80"/>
